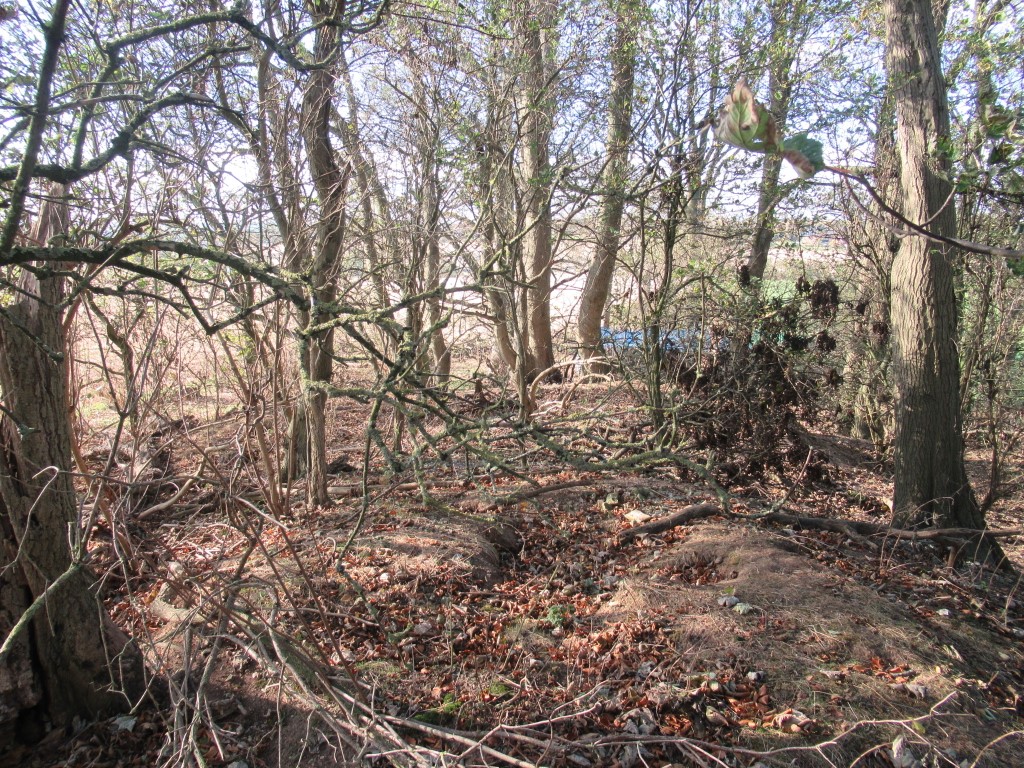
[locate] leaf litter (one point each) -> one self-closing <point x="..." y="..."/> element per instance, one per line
<point x="726" y="639"/>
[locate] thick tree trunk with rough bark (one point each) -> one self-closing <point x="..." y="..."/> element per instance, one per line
<point x="867" y="390"/>
<point x="620" y="112"/>
<point x="68" y="659"/>
<point x="931" y="485"/>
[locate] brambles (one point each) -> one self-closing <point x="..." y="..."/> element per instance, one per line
<point x="825" y="342"/>
<point x="741" y="379"/>
<point x="824" y="299"/>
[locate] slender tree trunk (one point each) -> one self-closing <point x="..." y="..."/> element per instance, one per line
<point x="504" y="274"/>
<point x="330" y="180"/>
<point x="597" y="288"/>
<point x="931" y="483"/>
<point x="503" y="341"/>
<point x="785" y="16"/>
<point x="537" y="174"/>
<point x="321" y="365"/>
<point x="273" y="147"/>
<point x="973" y="342"/>
<point x="429" y="239"/>
<point x="489" y="231"/>
<point x="441" y="358"/>
<point x="371" y="190"/>
<point x="764" y="226"/>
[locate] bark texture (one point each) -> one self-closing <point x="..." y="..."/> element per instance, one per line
<point x="68" y="660"/>
<point x="764" y="228"/>
<point x="330" y="178"/>
<point x="931" y="485"/>
<point x="597" y="288"/>
<point x="427" y="237"/>
<point x="789" y="25"/>
<point x="537" y="172"/>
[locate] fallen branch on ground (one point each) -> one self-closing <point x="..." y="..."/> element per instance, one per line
<point x="687" y="515"/>
<point x="856" y="527"/>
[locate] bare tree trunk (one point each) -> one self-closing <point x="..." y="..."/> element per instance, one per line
<point x="279" y="186"/>
<point x="620" y="112"/>
<point x="371" y="191"/>
<point x="868" y="388"/>
<point x="503" y="251"/>
<point x="505" y="348"/>
<point x="60" y="656"/>
<point x="330" y="180"/>
<point x="429" y="239"/>
<point x="764" y="226"/>
<point x="68" y="660"/>
<point x="320" y="356"/>
<point x="441" y="358"/>
<point x="931" y="483"/>
<point x="785" y="17"/>
<point x="537" y="172"/>
<point x="488" y="213"/>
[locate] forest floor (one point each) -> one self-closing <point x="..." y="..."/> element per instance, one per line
<point x="481" y="619"/>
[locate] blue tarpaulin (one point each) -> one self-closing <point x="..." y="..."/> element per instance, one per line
<point x="682" y="339"/>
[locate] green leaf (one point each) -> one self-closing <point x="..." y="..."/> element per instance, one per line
<point x="804" y="154"/>
<point x="743" y="122"/>
<point x="998" y="121"/>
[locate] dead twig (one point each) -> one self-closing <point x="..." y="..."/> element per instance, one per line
<point x="531" y="493"/>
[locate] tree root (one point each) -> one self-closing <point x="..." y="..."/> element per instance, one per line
<point x="960" y="539"/>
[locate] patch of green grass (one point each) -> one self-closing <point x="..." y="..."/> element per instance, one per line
<point x="381" y="668"/>
<point x="396" y="637"/>
<point x="443" y="714"/>
<point x="557" y="615"/>
<point x="498" y="689"/>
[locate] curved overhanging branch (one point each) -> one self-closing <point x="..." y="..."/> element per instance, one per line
<point x="119" y="256"/>
<point x="909" y="227"/>
<point x="26" y="170"/>
<point x="372" y="10"/>
<point x="121" y="145"/>
<point x="47" y="261"/>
